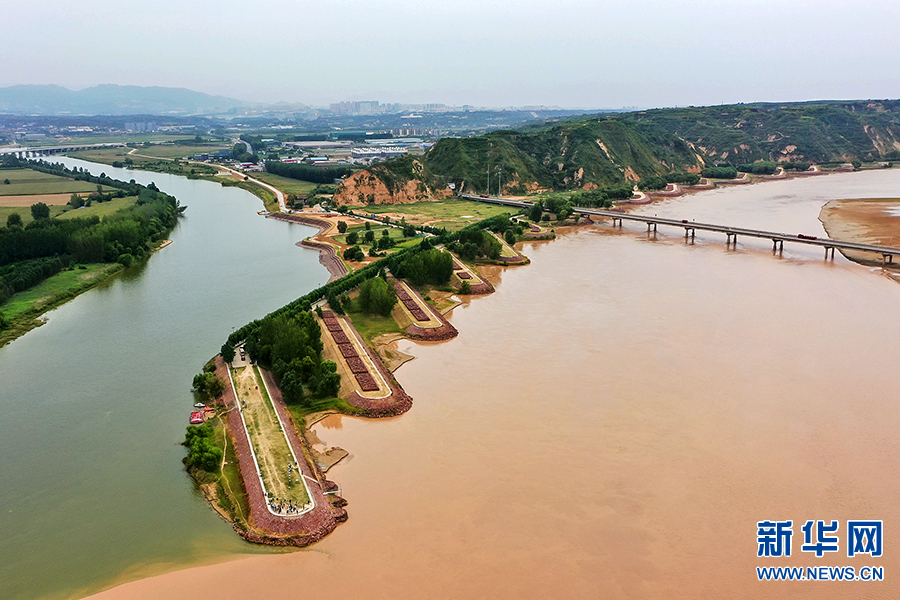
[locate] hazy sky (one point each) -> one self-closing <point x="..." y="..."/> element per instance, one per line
<point x="571" y="53"/>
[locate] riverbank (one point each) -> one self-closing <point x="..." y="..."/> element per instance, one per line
<point x="23" y="311"/>
<point x="328" y="252"/>
<point x="864" y="221"/>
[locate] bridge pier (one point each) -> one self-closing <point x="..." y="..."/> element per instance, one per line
<point x="887" y="259"/>
<point x="689" y="229"/>
<point x="777" y="245"/>
<point x="616" y="221"/>
<point x="731" y="239"/>
<point x="827" y="248"/>
<point x="649" y="225"/>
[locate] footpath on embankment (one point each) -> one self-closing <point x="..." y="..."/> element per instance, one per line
<point x="263" y="526"/>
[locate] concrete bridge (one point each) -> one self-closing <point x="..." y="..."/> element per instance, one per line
<point x="731" y="233"/>
<point x="38" y="151"/>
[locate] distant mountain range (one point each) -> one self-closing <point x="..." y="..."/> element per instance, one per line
<point x="113" y="100"/>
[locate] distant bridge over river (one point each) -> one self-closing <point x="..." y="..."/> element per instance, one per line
<point x="38" y="151"/>
<point x="691" y="227"/>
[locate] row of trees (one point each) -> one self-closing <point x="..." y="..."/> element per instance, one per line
<point x="762" y="167"/>
<point x="22" y="275"/>
<point x="291" y="345"/>
<point x="306" y="172"/>
<point x="719" y="172"/>
<point x="427" y="267"/>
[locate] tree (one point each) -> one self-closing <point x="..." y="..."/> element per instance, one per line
<point x="370" y="236"/>
<point x="342" y="226"/>
<point x="377" y="297"/>
<point x="465" y="288"/>
<point x="409" y="231"/>
<point x="227" y="352"/>
<point x="14" y="220"/>
<point x="510" y="237"/>
<point x="368" y="226"/>
<point x="352" y="238"/>
<point x="534" y="213"/>
<point x="40" y="211"/>
<point x="215" y="387"/>
<point x="6" y="181"/>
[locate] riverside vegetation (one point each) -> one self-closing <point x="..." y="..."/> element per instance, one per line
<point x="80" y="251"/>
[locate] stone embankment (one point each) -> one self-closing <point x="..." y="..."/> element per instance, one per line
<point x="477" y="285"/>
<point x="328" y="256"/>
<point x="440" y="330"/>
<point x="264" y="527"/>
<point x="392" y="401"/>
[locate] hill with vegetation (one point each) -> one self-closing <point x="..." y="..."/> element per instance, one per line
<point x="817" y="132"/>
<point x="654" y="145"/>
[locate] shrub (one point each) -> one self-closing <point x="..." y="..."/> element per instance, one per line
<point x="202" y="451"/>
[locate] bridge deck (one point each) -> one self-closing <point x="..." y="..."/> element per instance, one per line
<point x="827" y="243"/>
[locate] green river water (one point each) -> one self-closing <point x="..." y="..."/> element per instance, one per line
<point x="95" y="402"/>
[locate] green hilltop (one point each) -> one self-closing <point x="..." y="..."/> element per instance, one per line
<point x="811" y="131"/>
<point x="611" y="150"/>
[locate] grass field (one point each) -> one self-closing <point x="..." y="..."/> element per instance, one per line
<point x="506" y="250"/>
<point x="178" y="151"/>
<point x="452" y="214"/>
<point x="105" y="156"/>
<point x="273" y="454"/>
<point x="99" y="209"/>
<point x="27" y="182"/>
<point x="25" y="213"/>
<point x="371" y="326"/>
<point x="394" y="232"/>
<point x="286" y="184"/>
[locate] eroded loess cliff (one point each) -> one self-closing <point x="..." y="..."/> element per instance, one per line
<point x="406" y="180"/>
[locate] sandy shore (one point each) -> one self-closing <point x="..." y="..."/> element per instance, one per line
<point x="865" y="221"/>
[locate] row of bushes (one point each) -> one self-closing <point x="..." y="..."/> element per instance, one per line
<point x="307" y="172"/>
<point x="719" y="172"/>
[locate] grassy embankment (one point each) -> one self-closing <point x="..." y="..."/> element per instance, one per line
<point x="23" y="309"/>
<point x="148" y="162"/>
<point x="224" y="488"/>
